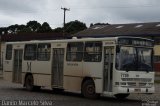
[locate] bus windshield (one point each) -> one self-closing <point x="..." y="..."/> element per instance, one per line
<point x="133" y="58"/>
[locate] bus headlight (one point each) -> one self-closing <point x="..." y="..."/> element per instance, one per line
<point x="120" y="83"/>
<point x="123" y="83"/>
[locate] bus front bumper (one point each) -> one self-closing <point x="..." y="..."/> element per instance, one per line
<point x="134" y="90"/>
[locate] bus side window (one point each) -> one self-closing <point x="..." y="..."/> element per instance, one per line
<point x="30" y="52"/>
<point x="93" y="52"/>
<point x="44" y="51"/>
<point x="75" y="51"/>
<point x="8" y="52"/>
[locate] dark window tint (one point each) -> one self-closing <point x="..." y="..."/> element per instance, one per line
<point x="44" y="51"/>
<point x="93" y="51"/>
<point x="75" y="51"/>
<point x="30" y="52"/>
<point x="156" y="58"/>
<point x="9" y="52"/>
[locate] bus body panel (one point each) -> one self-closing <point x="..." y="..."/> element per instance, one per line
<point x="74" y="72"/>
<point x="131" y="81"/>
<point x="73" y="75"/>
<point x="9" y="64"/>
<point x="37" y="67"/>
<point x="72" y="83"/>
<point x="95" y="71"/>
<point x="42" y="80"/>
<point x="7" y="76"/>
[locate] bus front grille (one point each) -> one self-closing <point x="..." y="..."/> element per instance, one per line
<point x="134" y="84"/>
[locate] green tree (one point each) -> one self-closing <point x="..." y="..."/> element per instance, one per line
<point x="25" y="30"/>
<point x="13" y="29"/>
<point x="91" y="25"/>
<point x="3" y="30"/>
<point x="45" y="28"/>
<point x="74" y="27"/>
<point x="58" y="30"/>
<point x="21" y="27"/>
<point x="33" y="26"/>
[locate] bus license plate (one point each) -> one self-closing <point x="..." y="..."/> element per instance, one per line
<point x="137" y="90"/>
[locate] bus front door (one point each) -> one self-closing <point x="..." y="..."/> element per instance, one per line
<point x="108" y="69"/>
<point x="57" y="68"/>
<point x="17" y="68"/>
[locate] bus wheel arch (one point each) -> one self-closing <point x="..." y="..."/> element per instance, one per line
<point x="29" y="82"/>
<point x="88" y="88"/>
<point x="25" y="78"/>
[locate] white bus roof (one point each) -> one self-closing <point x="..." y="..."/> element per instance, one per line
<point x="73" y="40"/>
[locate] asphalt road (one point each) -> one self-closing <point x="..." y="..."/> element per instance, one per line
<point x="15" y="94"/>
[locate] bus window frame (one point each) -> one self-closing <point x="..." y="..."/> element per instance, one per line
<point x="46" y="53"/>
<point x="78" y="53"/>
<point x="35" y="52"/>
<point x="9" y="52"/>
<point x="95" y="53"/>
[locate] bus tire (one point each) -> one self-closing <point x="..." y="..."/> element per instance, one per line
<point x="88" y="89"/>
<point x="29" y="83"/>
<point x="122" y="96"/>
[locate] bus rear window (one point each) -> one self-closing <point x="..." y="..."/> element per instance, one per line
<point x="93" y="52"/>
<point x="30" y="52"/>
<point x="8" y="52"/>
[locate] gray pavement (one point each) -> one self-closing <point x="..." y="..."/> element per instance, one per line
<point x="1" y="74"/>
<point x="16" y="92"/>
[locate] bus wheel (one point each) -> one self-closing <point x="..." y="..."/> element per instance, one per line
<point x="88" y="89"/>
<point x="121" y="96"/>
<point x="29" y="83"/>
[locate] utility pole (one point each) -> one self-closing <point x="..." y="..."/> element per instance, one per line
<point x="64" y="22"/>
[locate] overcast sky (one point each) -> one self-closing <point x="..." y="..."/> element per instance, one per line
<point x="87" y="11"/>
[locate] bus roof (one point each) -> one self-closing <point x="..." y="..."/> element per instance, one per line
<point x="76" y="39"/>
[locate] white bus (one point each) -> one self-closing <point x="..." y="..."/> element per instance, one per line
<point x="105" y="66"/>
